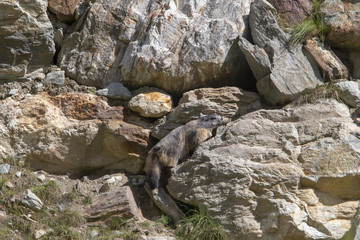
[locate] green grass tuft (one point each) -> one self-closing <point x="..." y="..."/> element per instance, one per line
<point x="199" y="226"/>
<point x="313" y="26"/>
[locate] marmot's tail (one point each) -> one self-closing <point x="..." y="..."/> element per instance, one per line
<point x="154" y="173"/>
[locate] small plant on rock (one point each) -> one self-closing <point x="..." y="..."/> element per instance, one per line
<point x="310" y="27"/>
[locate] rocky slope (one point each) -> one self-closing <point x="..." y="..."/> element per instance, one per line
<point x="89" y="86"/>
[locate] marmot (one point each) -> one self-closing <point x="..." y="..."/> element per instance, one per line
<point x="178" y="145"/>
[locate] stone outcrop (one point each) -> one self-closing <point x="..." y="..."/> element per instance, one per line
<point x="172" y="45"/>
<point x="26" y="38"/>
<point x="278" y="174"/>
<point x="228" y="102"/>
<point x="290" y="71"/>
<point x="71" y="133"/>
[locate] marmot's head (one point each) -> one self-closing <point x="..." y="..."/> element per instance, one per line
<point x="210" y="121"/>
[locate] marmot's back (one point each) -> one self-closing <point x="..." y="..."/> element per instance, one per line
<point x="178" y="145"/>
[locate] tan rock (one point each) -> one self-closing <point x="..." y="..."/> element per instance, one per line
<point x="151" y="102"/>
<point x="328" y="63"/>
<point x="118" y="203"/>
<point x="61" y="143"/>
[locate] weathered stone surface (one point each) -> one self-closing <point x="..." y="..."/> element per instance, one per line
<point x="118" y="203"/>
<point x="30" y="200"/>
<point x="64" y="9"/>
<point x="4" y="168"/>
<point x="349" y="92"/>
<point x="292" y="12"/>
<point x="56" y="77"/>
<point x="26" y="38"/>
<point x="151" y="102"/>
<point x="278" y="174"/>
<point x="173" y="45"/>
<point x="48" y="133"/>
<point x="116" y="91"/>
<point x="342" y="19"/>
<point x="228" y="102"/>
<point x="291" y="72"/>
<point x="328" y="63"/>
<point x="86" y="107"/>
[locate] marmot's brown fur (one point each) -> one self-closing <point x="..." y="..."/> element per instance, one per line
<point x="178" y="145"/>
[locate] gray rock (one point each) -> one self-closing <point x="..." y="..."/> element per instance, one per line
<point x="56" y="78"/>
<point x="278" y="174"/>
<point x="291" y="72"/>
<point x="4" y="168"/>
<point x="349" y="92"/>
<point x="172" y="45"/>
<point x="13" y="92"/>
<point x="115" y="90"/>
<point x="26" y="38"/>
<point x="30" y="200"/>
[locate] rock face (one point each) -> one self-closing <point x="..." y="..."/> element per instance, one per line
<point x="349" y="92"/>
<point x="173" y="45"/>
<point x="278" y="174"/>
<point x="71" y="133"/>
<point x="285" y="72"/>
<point x="26" y="38"/>
<point x="228" y="102"/>
<point x="293" y="12"/>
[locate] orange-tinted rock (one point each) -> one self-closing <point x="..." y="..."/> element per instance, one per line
<point x="86" y="107"/>
<point x="151" y="102"/>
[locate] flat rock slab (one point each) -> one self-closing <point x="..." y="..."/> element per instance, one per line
<point x="118" y="203"/>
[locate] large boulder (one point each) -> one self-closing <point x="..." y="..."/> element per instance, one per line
<point x="173" y="45"/>
<point x="71" y="133"/>
<point x="284" y="72"/>
<point x="342" y="21"/>
<point x="26" y="38"/>
<point x="278" y="174"/>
